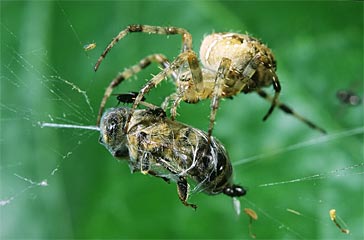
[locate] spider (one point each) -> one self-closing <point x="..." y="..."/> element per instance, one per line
<point x="230" y="63"/>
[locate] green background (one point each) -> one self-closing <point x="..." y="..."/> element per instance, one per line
<point x="319" y="50"/>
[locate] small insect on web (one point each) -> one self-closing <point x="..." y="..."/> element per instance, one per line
<point x="89" y="47"/>
<point x="127" y="97"/>
<point x="230" y="63"/>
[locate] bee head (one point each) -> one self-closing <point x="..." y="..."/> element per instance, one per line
<point x="112" y="132"/>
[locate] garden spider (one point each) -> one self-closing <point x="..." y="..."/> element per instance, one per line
<point x="230" y="63"/>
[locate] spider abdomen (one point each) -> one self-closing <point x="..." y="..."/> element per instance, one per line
<point x="239" y="48"/>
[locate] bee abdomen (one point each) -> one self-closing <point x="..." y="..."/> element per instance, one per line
<point x="213" y="171"/>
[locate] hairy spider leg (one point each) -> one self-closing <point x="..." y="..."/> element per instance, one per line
<point x="290" y="111"/>
<point x="276" y="86"/>
<point x="221" y="75"/>
<point x="168" y="99"/>
<point x="127" y="73"/>
<point x="176" y="103"/>
<point x="196" y="87"/>
<point x="186" y="37"/>
<point x="195" y="70"/>
<point x="277" y="89"/>
<point x="188" y="56"/>
<point x="176" y="99"/>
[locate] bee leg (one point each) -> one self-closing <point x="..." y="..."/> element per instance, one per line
<point x="182" y="189"/>
<point x="221" y="76"/>
<point x="144" y="166"/>
<point x="166" y="179"/>
<point x="145" y="169"/>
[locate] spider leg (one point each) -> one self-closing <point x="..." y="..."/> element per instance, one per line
<point x="186" y="37"/>
<point x="191" y="93"/>
<point x="168" y="99"/>
<point x="144" y="90"/>
<point x="176" y="98"/>
<point x="175" y="65"/>
<point x="290" y="111"/>
<point x="176" y="102"/>
<point x="222" y="73"/>
<point x="252" y="66"/>
<point x="189" y="83"/>
<point x="127" y="73"/>
<point x="195" y="71"/>
<point x="277" y="89"/>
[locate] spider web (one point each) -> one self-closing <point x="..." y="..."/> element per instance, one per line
<point x="46" y="167"/>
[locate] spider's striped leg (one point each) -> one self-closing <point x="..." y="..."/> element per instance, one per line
<point x="127" y="73"/>
<point x="290" y="111"/>
<point x="180" y="60"/>
<point x="176" y="99"/>
<point x="186" y="37"/>
<point x="168" y="99"/>
<point x="221" y="75"/>
<point x="258" y="61"/>
<point x="275" y="82"/>
<point x="196" y="72"/>
<point x="176" y="102"/>
<point x="194" y="82"/>
<point x="277" y="89"/>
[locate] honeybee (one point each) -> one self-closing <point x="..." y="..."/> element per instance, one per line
<point x="173" y="151"/>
